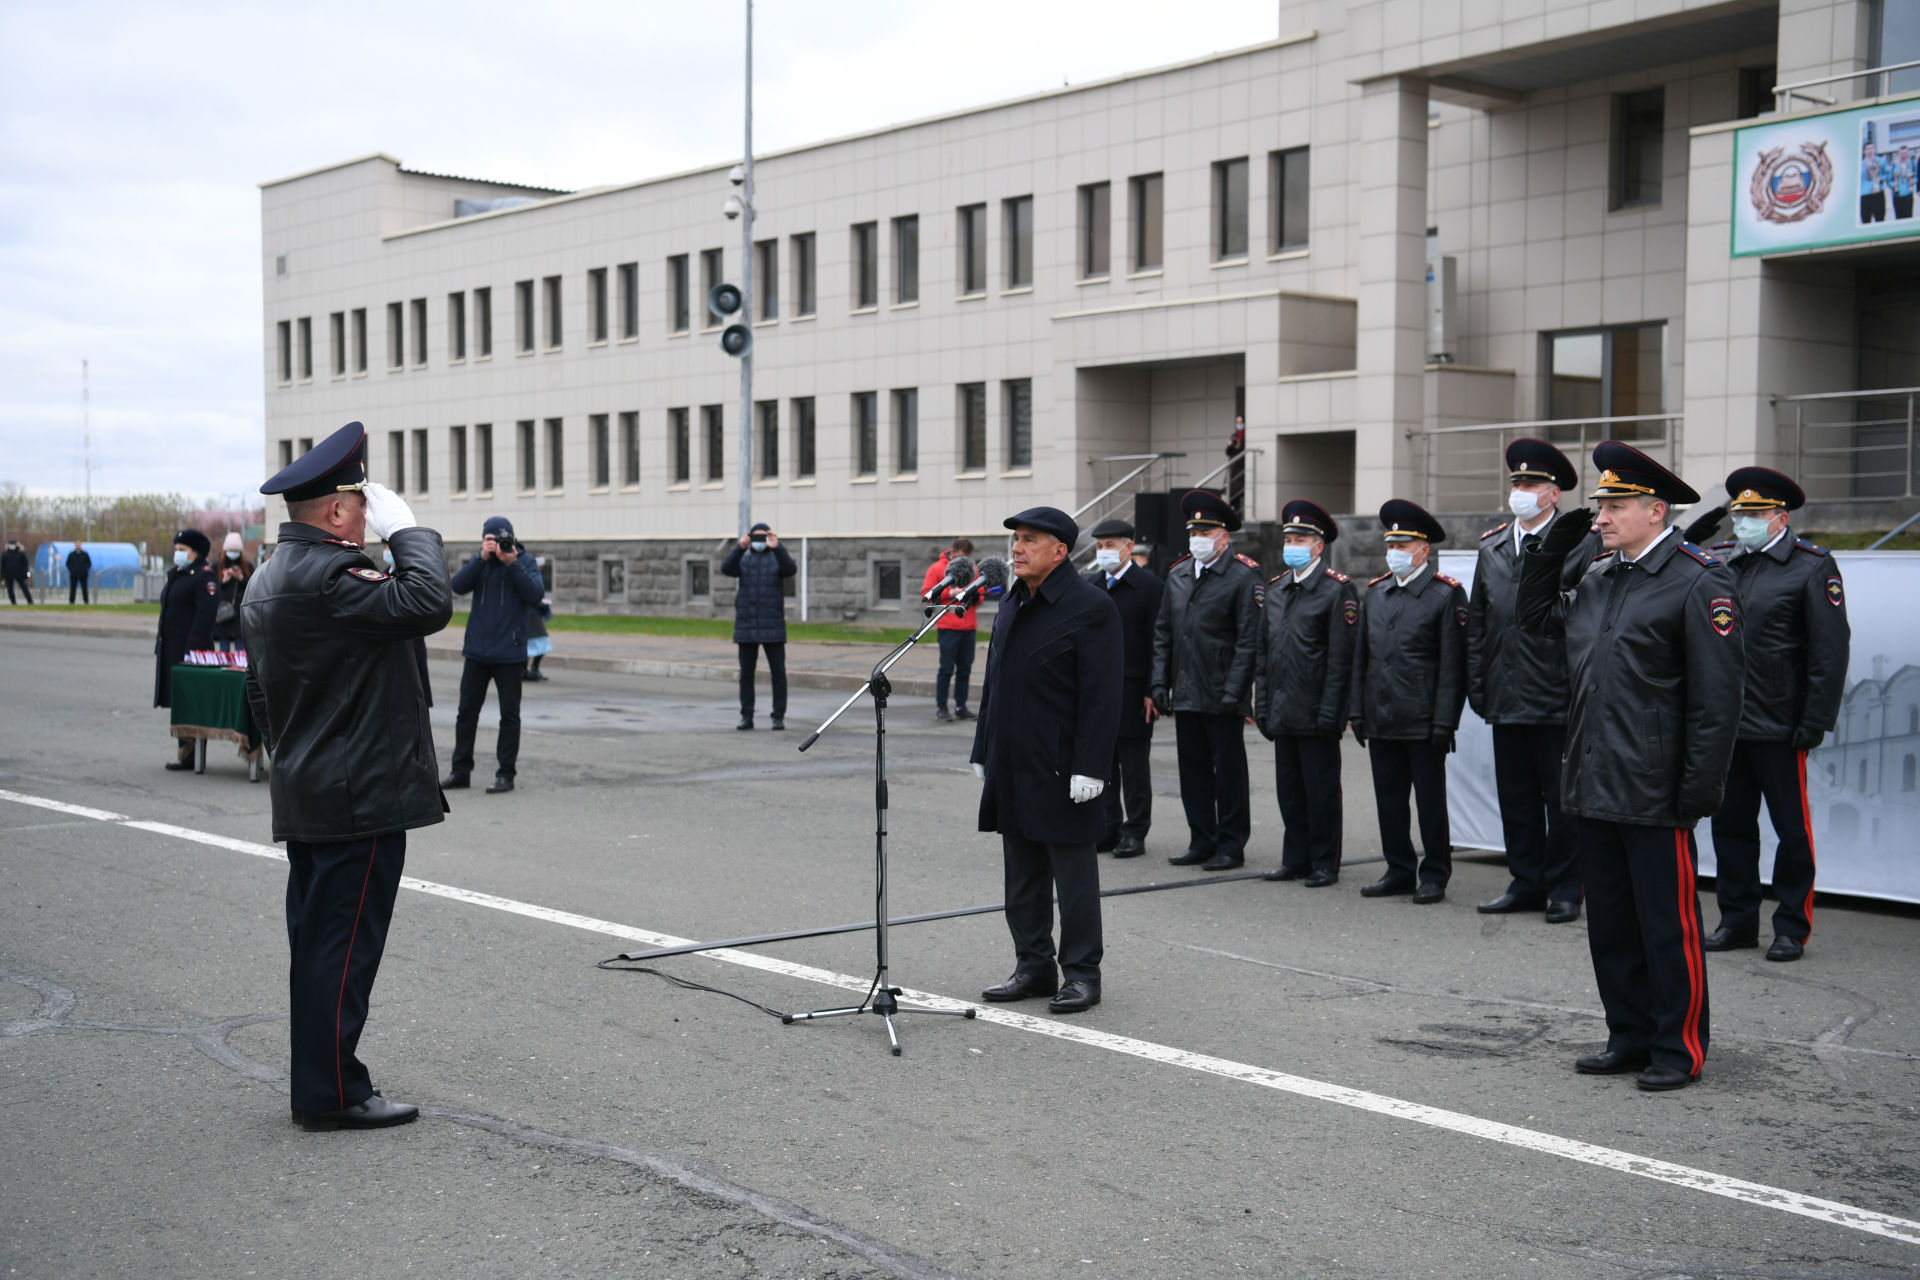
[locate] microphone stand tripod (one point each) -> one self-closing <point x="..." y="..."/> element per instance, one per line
<point x="881" y="998"/>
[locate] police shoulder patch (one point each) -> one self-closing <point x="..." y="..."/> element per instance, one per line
<point x="1349" y="611"/>
<point x="1812" y="547"/>
<point x="1338" y="576"/>
<point x="1497" y="529"/>
<point x="1836" y="593"/>
<point x="1720" y="614"/>
<point x="1382" y="578"/>
<point x="1441" y="577"/>
<point x="368" y="575"/>
<point x="1248" y="561"/>
<point x="1703" y="556"/>
<point x="213" y="588"/>
<point x="1460" y="614"/>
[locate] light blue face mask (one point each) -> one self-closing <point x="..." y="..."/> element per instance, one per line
<point x="180" y="559"/>
<point x="1751" y="531"/>
<point x="1399" y="562"/>
<point x="1297" y="558"/>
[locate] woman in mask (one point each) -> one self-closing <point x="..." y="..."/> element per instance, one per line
<point x="233" y="573"/>
<point x="188" y="604"/>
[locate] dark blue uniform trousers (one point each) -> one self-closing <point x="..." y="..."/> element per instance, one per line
<point x="1776" y="771"/>
<point x="1213" y="781"/>
<point x="1643" y="927"/>
<point x="1306" y="776"/>
<point x="1131" y="785"/>
<point x="339" y="900"/>
<point x="1397" y="767"/>
<point x="1542" y="853"/>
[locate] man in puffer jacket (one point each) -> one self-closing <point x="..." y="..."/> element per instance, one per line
<point x="504" y="584"/>
<point x="760" y="615"/>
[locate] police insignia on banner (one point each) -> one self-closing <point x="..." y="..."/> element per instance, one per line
<point x="1720" y="613"/>
<point x="1788" y="186"/>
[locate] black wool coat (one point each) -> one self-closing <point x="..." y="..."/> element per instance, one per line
<point x="1137" y="596"/>
<point x="187" y="605"/>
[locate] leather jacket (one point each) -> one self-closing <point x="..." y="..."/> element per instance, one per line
<point x="1306" y="654"/>
<point x="1513" y="677"/>
<point x="1797" y="638"/>
<point x="334" y="687"/>
<point x="1410" y="661"/>
<point x="1207" y="638"/>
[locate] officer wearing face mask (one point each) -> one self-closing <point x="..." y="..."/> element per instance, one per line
<point x="188" y="604"/>
<point x="1205" y="645"/>
<point x="1136" y="593"/>
<point x="1794" y="609"/>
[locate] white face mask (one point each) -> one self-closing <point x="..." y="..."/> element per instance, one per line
<point x="1751" y="531"/>
<point x="756" y="546"/>
<point x="1201" y="544"/>
<point x="180" y="559"/>
<point x="1108" y="558"/>
<point x="1524" y="505"/>
<point x="1399" y="562"/>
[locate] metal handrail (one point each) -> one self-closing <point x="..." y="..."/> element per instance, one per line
<point x="1437" y="476"/>
<point x="1911" y="421"/>
<point x="1104" y="494"/>
<point x="1253" y="480"/>
<point x="1896" y="531"/>
<point x="1788" y="92"/>
<point x="1878" y="393"/>
<point x="1557" y="422"/>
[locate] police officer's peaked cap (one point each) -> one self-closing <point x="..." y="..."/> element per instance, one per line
<point x="1301" y="516"/>
<point x="1625" y="472"/>
<point x="1047" y="520"/>
<point x="1763" y="489"/>
<point x="1205" y="509"/>
<point x="1531" y="459"/>
<point x="336" y="463"/>
<point x="1402" y="520"/>
<point x="1112" y="528"/>
<point x="194" y="538"/>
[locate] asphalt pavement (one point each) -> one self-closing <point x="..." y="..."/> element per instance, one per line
<point x="1280" y="1081"/>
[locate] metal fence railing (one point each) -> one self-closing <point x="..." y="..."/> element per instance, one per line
<point x="1853" y="444"/>
<point x="1466" y="470"/>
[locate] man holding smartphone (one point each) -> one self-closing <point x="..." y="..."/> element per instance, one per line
<point x="504" y="584"/>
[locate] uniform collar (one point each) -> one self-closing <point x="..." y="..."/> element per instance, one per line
<point x="1520" y="535"/>
<point x="1413" y="582"/>
<point x="1782" y="545"/>
<point x="1303" y="576"/>
<point x="1657" y="553"/>
<point x="294" y="531"/>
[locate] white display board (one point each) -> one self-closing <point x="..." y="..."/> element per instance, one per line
<point x="1863" y="782"/>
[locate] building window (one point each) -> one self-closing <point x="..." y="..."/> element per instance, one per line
<point x="1607" y="373"/>
<point x="529" y="456"/>
<point x="801" y="249"/>
<point x="866" y="433"/>
<point x="680" y="446"/>
<point x="1287" y="187"/>
<point x="1756" y="92"/>
<point x="803" y="463"/>
<point x="456" y="459"/>
<point x="629" y="299"/>
<point x="971" y="241"/>
<point x="482" y="323"/>
<point x="766" y="432"/>
<point x="1893" y="36"/>
<point x="699" y="580"/>
<point x="305" y="328"/>
<point x="456" y="327"/>
<point x="973" y="426"/>
<point x="678" y="313"/>
<point x="359" y="340"/>
<point x="1018" y="240"/>
<point x="630" y="448"/>
<point x="306" y="445"/>
<point x="866" y="266"/>
<point x="419" y="310"/>
<point x="766" y="278"/>
<point x="1096" y="225"/>
<point x="906" y="431"/>
<point x="523" y="316"/>
<point x="483" y="456"/>
<point x="613" y="578"/>
<point x="1019" y="393"/>
<point x="419" y="459"/>
<point x="1639" y="129"/>
<point x="337" y="335"/>
<point x="1229" y="209"/>
<point x="712" y="265"/>
<point x="713" y="430"/>
<point x="597" y="429"/>
<point x="556" y="456"/>
<point x="597" y="304"/>
<point x="286" y="351"/>
<point x="397" y="461"/>
<point x="1145" y="214"/>
<point x="886" y="582"/>
<point x="1907" y="768"/>
<point x="286" y="454"/>
<point x="906" y="258"/>
<point x="396" y="336"/>
<point x="554" y="333"/>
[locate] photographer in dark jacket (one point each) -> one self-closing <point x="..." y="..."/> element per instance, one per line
<point x="504" y="584"/>
<point x="760" y="615"/>
<point x="333" y="685"/>
<point x="187" y="606"/>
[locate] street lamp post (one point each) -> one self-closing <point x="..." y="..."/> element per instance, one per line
<point x="746" y="299"/>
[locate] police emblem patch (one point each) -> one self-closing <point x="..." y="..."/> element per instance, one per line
<point x="1788" y="187"/>
<point x="1460" y="614"/>
<point x="212" y="590"/>
<point x="1720" y="613"/>
<point x="1349" y="611"/>
<point x="1836" y="594"/>
<point x="368" y="575"/>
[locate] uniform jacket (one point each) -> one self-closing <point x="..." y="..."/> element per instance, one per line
<point x="759" y="608"/>
<point x="1410" y="660"/>
<point x="1794" y="609"/>
<point x="187" y="605"/>
<point x="1513" y="677"/>
<point x="334" y="683"/>
<point x="497" y="619"/>
<point x="1049" y="708"/>
<point x="1137" y="596"/>
<point x="936" y="573"/>
<point x="1655" y="661"/>
<point x="1206" y="640"/>
<point x="1307" y="639"/>
<point x="13" y="564"/>
<point x="79" y="565"/>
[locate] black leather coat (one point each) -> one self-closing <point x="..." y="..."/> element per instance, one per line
<point x="1797" y="638"/>
<point x="1137" y="596"/>
<point x="334" y="684"/>
<point x="1513" y="677"/>
<point x="1655" y="656"/>
<point x="1306" y="654"/>
<point x="1206" y="641"/>
<point x="1410" y="662"/>
<point x="187" y="606"/>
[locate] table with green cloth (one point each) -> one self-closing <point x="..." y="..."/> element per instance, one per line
<point x="211" y="702"/>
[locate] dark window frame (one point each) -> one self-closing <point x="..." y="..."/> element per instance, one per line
<point x="1147" y="222"/>
<point x="971" y="417"/>
<point x="864" y="284"/>
<point x="598" y="315"/>
<point x="1289" y="199"/>
<point x="971" y="243"/>
<point x="806" y="273"/>
<point x="1095" y="203"/>
<point x="629" y="448"/>
<point x="1232" y="198"/>
<point x="1638" y="150"/>
<point x="805" y="437"/>
<point x="679" y="294"/>
<point x="1016" y="230"/>
<point x="1017" y="396"/>
<point x="599" y="451"/>
<point x="865" y="416"/>
<point x="906" y="259"/>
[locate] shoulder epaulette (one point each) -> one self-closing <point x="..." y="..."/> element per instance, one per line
<point x="1704" y="557"/>
<point x="1182" y="560"/>
<point x="1441" y="577"/>
<point x="342" y="542"/>
<point x="1499" y="528"/>
<point x="1813" y="547"/>
<point x="1602" y="556"/>
<point x="1722" y="546"/>
<point x="1338" y="576"/>
<point x="1382" y="578"/>
<point x="1248" y="561"/>
<point x="1275" y="578"/>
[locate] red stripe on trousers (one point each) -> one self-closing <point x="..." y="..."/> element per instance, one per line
<point x="1690" y="939"/>
<point x="338" y="1076"/>
<point x="1806" y="819"/>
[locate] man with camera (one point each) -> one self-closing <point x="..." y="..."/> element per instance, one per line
<point x="504" y="584"/>
<point x="760" y="615"/>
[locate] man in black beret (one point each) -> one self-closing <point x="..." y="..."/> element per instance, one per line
<point x="188" y="604"/>
<point x="1136" y="593"/>
<point x="1049" y="714"/>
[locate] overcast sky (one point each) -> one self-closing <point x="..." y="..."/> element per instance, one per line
<point x="133" y="137"/>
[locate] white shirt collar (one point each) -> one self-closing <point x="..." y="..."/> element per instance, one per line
<point x="1413" y="577"/>
<point x="1121" y="572"/>
<point x="1775" y="538"/>
<point x="1313" y="566"/>
<point x="1520" y="534"/>
<point x="1649" y="547"/>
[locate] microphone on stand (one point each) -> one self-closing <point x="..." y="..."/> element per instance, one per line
<point x="959" y="573"/>
<point x="992" y="576"/>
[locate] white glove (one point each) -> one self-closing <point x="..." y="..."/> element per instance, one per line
<point x="980" y="772"/>
<point x="387" y="512"/>
<point x="1081" y="788"/>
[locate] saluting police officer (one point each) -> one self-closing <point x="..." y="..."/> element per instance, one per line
<point x="333" y="682"/>
<point x="1797" y="639"/>
<point x="1205" y="644"/>
<point x="1311" y="619"/>
<point x="1409" y="683"/>
<point x="1518" y="684"/>
<point x="1135" y="592"/>
<point x="1655" y="664"/>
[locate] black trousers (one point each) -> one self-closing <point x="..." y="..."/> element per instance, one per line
<point x="1035" y="872"/>
<point x="1306" y="775"/>
<point x="1873" y="207"/>
<point x="956" y="666"/>
<point x="506" y="678"/>
<point x="80" y="585"/>
<point x="1542" y="853"/>
<point x="1213" y="781"/>
<point x="776" y="667"/>
<point x="1398" y="766"/>
<point x="1775" y="771"/>
<point x="339" y="901"/>
<point x="1903" y="205"/>
<point x="1130" y="786"/>
<point x="1643" y="928"/>
<point x="22" y="582"/>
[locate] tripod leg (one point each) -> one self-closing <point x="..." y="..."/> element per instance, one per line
<point x="892" y="1039"/>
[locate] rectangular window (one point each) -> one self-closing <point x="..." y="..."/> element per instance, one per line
<point x="906" y="431"/>
<point x="1755" y="96"/>
<point x="613" y="578"/>
<point x="359" y="340"/>
<point x="456" y="327"/>
<point x="906" y="258"/>
<point x="306" y="348"/>
<point x="1096" y="231"/>
<point x="803" y="464"/>
<point x="1287" y="187"/>
<point x="679" y="446"/>
<point x="1602" y="373"/>
<point x="766" y="278"/>
<point x="629" y="299"/>
<point x="1018" y="239"/>
<point x="699" y="580"/>
<point x="483" y="456"/>
<point x="866" y="433"/>
<point x="286" y="351"/>
<point x="1019" y="393"/>
<point x="865" y="285"/>
<point x="397" y="461"/>
<point x="630" y="448"/>
<point x="1145" y="213"/>
<point x="972" y="240"/>
<point x="396" y="336"/>
<point x="529" y="456"/>
<point x="482" y="323"/>
<point x="1229" y="209"/>
<point x="337" y="335"/>
<point x="597" y="305"/>
<point x="677" y="309"/>
<point x="554" y="332"/>
<point x="286" y="454"/>
<point x="973" y="426"/>
<point x="306" y="445"/>
<point x="602" y="446"/>
<point x="713" y="265"/>
<point x="1639" y="130"/>
<point x="556" y="456"/>
<point x="801" y="247"/>
<point x="419" y="310"/>
<point x="456" y="459"/>
<point x="713" y="429"/>
<point x="419" y="459"/>
<point x="766" y="438"/>
<point x="886" y="582"/>
<point x="523" y="316"/>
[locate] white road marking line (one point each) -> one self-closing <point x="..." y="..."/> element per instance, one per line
<point x="1754" y="1193"/>
<point x="61" y="806"/>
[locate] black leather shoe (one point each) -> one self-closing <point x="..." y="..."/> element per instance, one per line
<point x="779" y="724"/>
<point x="177" y="765"/>
<point x="941" y="713"/>
<point x="455" y="782"/>
<point x="961" y="713"/>
<point x="1386" y="886"/>
<point x="1429" y="893"/>
<point x="1286" y="873"/>
<point x="501" y="783"/>
<point x="1611" y="1063"/>
<point x="1321" y="879"/>
<point x="1129" y="847"/>
<point x="1021" y="986"/>
<point x="1785" y="948"/>
<point x="1508" y="903"/>
<point x="1224" y="862"/>
<point x="1562" y="912"/>
<point x="746" y="722"/>
<point x="1656" y="1079"/>
<point x="1725" y="939"/>
<point x="1191" y="858"/>
<point x="375" y="1113"/>
<point x="1077" y="996"/>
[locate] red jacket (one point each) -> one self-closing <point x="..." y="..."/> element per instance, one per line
<point x="948" y="621"/>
